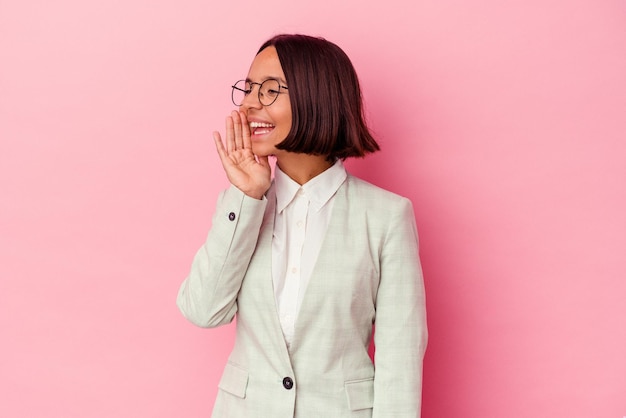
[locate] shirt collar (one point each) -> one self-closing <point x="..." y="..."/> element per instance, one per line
<point x="318" y="190"/>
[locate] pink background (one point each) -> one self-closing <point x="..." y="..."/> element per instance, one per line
<point x="503" y="121"/>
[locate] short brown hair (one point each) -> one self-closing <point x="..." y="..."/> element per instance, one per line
<point x="326" y="102"/>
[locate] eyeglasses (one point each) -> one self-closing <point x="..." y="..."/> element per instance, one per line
<point x="269" y="90"/>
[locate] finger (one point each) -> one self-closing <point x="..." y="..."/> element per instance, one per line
<point x="237" y="124"/>
<point x="219" y="145"/>
<point x="247" y="143"/>
<point x="230" y="135"/>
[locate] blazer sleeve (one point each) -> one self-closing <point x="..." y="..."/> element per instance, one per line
<point x="208" y="296"/>
<point x="400" y="324"/>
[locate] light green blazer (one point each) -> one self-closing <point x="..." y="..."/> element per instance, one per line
<point x="367" y="272"/>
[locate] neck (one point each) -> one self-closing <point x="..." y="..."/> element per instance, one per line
<point x="302" y="167"/>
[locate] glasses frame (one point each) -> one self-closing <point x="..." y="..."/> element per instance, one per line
<point x="252" y="84"/>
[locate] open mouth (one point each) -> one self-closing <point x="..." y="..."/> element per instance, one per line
<point x="260" y="128"/>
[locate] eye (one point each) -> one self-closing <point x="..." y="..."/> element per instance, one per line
<point x="245" y="90"/>
<point x="270" y="88"/>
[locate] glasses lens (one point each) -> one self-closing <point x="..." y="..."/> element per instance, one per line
<point x="240" y="90"/>
<point x="268" y="92"/>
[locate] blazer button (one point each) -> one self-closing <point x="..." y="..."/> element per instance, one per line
<point x="287" y="383"/>
<point x="231" y="216"/>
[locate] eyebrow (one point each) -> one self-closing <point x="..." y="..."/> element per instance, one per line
<point x="280" y="79"/>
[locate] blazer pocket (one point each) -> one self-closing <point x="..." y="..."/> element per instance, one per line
<point x="360" y="394"/>
<point x="234" y="380"/>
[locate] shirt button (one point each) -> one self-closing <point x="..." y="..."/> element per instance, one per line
<point x="287" y="383"/>
<point x="299" y="224"/>
<point x="231" y="216"/>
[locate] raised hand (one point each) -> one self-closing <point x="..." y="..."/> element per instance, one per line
<point x="249" y="173"/>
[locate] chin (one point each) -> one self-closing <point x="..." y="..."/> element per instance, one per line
<point x="264" y="147"/>
<point x="263" y="150"/>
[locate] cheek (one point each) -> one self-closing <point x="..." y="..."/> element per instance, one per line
<point x="287" y="124"/>
<point x="283" y="116"/>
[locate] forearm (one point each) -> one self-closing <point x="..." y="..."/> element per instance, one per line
<point x="208" y="295"/>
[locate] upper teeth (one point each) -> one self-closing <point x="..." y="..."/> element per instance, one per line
<point x="260" y="125"/>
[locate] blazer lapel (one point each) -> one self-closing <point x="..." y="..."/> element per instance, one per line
<point x="329" y="251"/>
<point x="264" y="253"/>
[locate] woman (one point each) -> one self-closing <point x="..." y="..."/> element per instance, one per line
<point x="311" y="260"/>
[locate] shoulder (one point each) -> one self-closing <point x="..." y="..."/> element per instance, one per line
<point x="373" y="195"/>
<point x="380" y="212"/>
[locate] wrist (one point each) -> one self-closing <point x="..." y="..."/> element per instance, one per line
<point x="254" y="193"/>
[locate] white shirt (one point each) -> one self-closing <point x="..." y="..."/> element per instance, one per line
<point x="300" y="223"/>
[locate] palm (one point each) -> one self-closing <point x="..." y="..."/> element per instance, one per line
<point x="244" y="170"/>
